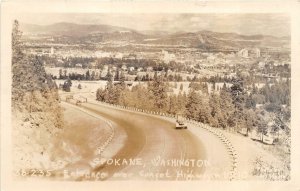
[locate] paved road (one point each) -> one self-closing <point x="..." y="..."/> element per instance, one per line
<point x="160" y="152"/>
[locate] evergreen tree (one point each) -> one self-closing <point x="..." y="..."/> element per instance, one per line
<point x="109" y="76"/>
<point x="67" y="85"/>
<point x="173" y="105"/>
<point x="100" y="95"/>
<point x="158" y="91"/>
<point x="28" y="73"/>
<point x="60" y="74"/>
<point x="216" y="113"/>
<point x="117" y="74"/>
<point x="237" y="90"/>
<point x="193" y="105"/>
<point x="205" y="88"/>
<point x="250" y="102"/>
<point x="204" y="115"/>
<point x="17" y="44"/>
<point x="224" y="88"/>
<point x="93" y="75"/>
<point x="213" y="86"/>
<point x="122" y="80"/>
<point x="87" y="75"/>
<point x="227" y="107"/>
<point x="65" y="74"/>
<point x="155" y="75"/>
<point x="238" y="97"/>
<point x="181" y="87"/>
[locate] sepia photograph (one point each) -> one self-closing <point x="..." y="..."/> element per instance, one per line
<point x="149" y="96"/>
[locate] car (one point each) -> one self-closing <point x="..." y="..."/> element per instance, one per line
<point x="180" y="123"/>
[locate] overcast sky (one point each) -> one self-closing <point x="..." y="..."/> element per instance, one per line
<point x="247" y="24"/>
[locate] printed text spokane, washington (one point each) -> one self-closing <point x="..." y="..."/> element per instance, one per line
<point x="157" y="161"/>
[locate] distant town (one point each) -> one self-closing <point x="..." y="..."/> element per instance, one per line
<point x="179" y="64"/>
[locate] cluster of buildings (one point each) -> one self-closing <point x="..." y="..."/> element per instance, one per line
<point x="204" y="63"/>
<point x="184" y="55"/>
<point x="249" y="52"/>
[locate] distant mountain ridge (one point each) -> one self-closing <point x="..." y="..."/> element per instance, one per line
<point x="215" y="40"/>
<point x="70" y="29"/>
<point x="204" y="39"/>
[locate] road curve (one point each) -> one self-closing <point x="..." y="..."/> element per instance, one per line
<point x="156" y="143"/>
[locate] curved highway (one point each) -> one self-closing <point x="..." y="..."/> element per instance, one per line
<point x="142" y="147"/>
<point x="163" y="152"/>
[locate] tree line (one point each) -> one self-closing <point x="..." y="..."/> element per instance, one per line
<point x="230" y="107"/>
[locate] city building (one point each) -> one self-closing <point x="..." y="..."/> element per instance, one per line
<point x="243" y="53"/>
